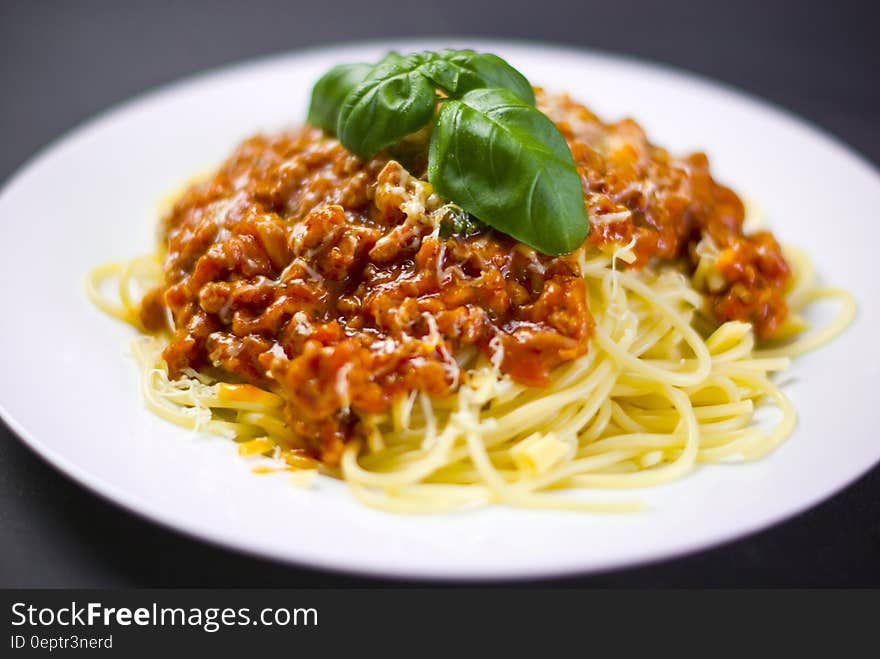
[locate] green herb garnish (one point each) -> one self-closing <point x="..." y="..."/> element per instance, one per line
<point x="330" y="91"/>
<point x="455" y="221"/>
<point x="457" y="72"/>
<point x="491" y="151"/>
<point x="394" y="100"/>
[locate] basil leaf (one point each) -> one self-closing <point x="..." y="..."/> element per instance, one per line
<point x="455" y="221"/>
<point x="460" y="71"/>
<point x="394" y="100"/>
<point x="329" y="92"/>
<point x="505" y="162"/>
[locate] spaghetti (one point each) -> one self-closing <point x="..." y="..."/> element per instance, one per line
<point x="661" y="380"/>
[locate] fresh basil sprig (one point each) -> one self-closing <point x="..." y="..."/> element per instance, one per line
<point x="505" y="162"/>
<point x="398" y="96"/>
<point x="331" y="90"/>
<point x="457" y="72"/>
<point x="491" y="151"/>
<point x="394" y="100"/>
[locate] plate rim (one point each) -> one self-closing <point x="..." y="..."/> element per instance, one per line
<point x="377" y="569"/>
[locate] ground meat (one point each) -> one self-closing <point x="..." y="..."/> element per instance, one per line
<point x="635" y="189"/>
<point x="301" y="268"/>
<point x="304" y="269"/>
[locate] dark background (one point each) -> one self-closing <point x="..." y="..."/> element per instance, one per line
<point x="61" y="62"/>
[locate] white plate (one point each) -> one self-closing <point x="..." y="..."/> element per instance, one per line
<point x="70" y="392"/>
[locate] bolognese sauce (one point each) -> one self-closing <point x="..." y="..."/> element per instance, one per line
<point x="301" y="268"/>
<point x="672" y="208"/>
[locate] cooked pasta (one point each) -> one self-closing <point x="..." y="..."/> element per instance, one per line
<point x="335" y="314"/>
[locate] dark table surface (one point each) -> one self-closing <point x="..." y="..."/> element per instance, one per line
<point x="61" y="62"/>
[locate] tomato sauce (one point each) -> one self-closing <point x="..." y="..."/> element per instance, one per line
<point x="302" y="269"/>
<point x="672" y="207"/>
